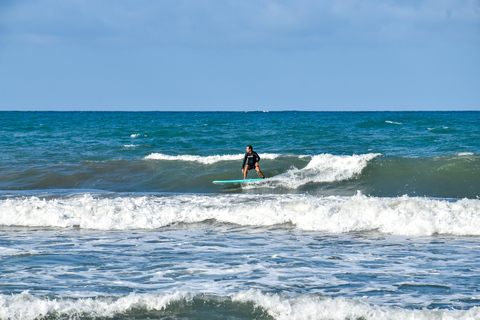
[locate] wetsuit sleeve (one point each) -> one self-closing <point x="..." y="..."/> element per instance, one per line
<point x="244" y="160"/>
<point x="257" y="157"/>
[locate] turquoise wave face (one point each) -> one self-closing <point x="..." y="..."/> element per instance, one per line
<point x="454" y="176"/>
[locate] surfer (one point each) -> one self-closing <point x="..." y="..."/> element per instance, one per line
<point x="251" y="160"/>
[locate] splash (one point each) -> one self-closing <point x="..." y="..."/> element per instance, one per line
<point x="325" y="168"/>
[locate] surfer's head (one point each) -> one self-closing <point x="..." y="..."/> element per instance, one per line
<point x="249" y="148"/>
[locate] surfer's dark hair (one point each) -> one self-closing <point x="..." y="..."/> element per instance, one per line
<point x="250" y="147"/>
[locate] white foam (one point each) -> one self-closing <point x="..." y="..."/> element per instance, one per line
<point x="26" y="306"/>
<point x="402" y="216"/>
<point x="316" y="307"/>
<point x="325" y="168"/>
<point x="436" y="128"/>
<point x="4" y="251"/>
<point x="393" y="122"/>
<point x="135" y="135"/>
<point x="206" y="159"/>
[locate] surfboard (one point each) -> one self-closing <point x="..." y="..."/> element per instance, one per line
<point x="236" y="181"/>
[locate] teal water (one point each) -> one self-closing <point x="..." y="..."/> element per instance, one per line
<point x="433" y="154"/>
<point x="363" y="215"/>
<point x="101" y="136"/>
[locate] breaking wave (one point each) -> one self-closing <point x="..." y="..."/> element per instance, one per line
<point x="451" y="176"/>
<point x="405" y="215"/>
<point x="325" y="168"/>
<point x="250" y="304"/>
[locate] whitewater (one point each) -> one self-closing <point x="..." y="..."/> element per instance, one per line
<point x="399" y="216"/>
<point x="112" y="215"/>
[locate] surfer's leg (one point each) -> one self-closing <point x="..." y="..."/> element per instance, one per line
<point x="247" y="167"/>
<point x="257" y="168"/>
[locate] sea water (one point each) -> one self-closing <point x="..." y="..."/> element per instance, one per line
<point x="112" y="215"/>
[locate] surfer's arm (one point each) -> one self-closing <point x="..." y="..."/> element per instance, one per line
<point x="244" y="160"/>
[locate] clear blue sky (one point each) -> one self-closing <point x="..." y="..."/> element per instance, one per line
<point x="240" y="55"/>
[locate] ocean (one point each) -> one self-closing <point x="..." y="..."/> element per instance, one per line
<point x="363" y="215"/>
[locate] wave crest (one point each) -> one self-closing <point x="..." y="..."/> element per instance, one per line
<point x="246" y="304"/>
<point x="205" y="159"/>
<point x="402" y="215"/>
<point x="325" y="168"/>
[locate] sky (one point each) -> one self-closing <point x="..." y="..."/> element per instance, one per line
<point x="240" y="55"/>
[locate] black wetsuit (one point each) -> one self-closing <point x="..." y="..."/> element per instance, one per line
<point x="251" y="159"/>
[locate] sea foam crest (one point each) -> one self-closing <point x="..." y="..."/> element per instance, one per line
<point x="205" y="159"/>
<point x="393" y="122"/>
<point x="310" y="307"/>
<point x="315" y="307"/>
<point x="402" y="216"/>
<point x="26" y="306"/>
<point x="325" y="168"/>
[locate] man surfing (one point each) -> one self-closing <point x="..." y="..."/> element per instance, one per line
<point x="251" y="159"/>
